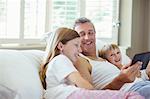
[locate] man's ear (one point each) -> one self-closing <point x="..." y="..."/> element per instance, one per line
<point x="60" y="46"/>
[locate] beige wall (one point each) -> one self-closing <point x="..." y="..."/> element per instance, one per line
<point x="149" y="26"/>
<point x="135" y="22"/>
<point x="125" y="26"/>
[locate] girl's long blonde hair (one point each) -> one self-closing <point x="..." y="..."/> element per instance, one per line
<point x="61" y="35"/>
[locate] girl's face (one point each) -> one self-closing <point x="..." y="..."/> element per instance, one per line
<point x="114" y="56"/>
<point x="71" y="49"/>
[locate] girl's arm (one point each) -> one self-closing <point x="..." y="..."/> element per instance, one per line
<point x="79" y="81"/>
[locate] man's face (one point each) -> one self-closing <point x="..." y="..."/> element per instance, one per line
<point x="87" y="34"/>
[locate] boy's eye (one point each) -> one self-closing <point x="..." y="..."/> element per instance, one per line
<point x="112" y="54"/>
<point x="118" y="52"/>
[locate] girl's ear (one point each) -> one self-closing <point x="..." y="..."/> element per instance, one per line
<point x="60" y="46"/>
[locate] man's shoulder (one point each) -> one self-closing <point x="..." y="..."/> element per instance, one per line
<point x="82" y="60"/>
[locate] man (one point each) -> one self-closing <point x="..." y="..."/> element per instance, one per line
<point x="86" y="30"/>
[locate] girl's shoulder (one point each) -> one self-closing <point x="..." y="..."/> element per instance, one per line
<point x="60" y="57"/>
<point x="60" y="61"/>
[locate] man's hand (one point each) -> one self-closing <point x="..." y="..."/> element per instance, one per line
<point x="129" y="73"/>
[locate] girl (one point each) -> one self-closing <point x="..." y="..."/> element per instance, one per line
<point x="63" y="81"/>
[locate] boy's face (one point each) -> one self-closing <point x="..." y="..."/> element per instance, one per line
<point x="114" y="56"/>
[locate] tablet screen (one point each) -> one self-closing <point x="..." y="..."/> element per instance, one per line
<point x="143" y="57"/>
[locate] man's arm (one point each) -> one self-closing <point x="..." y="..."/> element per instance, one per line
<point x="127" y="75"/>
<point x="83" y="66"/>
<point x="116" y="84"/>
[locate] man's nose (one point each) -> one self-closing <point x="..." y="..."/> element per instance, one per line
<point x="86" y="36"/>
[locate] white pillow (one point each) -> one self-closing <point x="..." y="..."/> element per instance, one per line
<point x="19" y="71"/>
<point x="7" y="93"/>
<point x="35" y="56"/>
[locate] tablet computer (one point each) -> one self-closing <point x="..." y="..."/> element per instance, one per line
<point x="143" y="57"/>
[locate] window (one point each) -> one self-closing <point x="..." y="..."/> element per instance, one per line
<point x="64" y="12"/>
<point x="34" y="18"/>
<point x="22" y="21"/>
<point x="9" y="19"/>
<point x="25" y="21"/>
<point x="104" y="14"/>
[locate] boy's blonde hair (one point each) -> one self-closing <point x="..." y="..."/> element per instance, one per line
<point x="62" y="35"/>
<point x="106" y="48"/>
